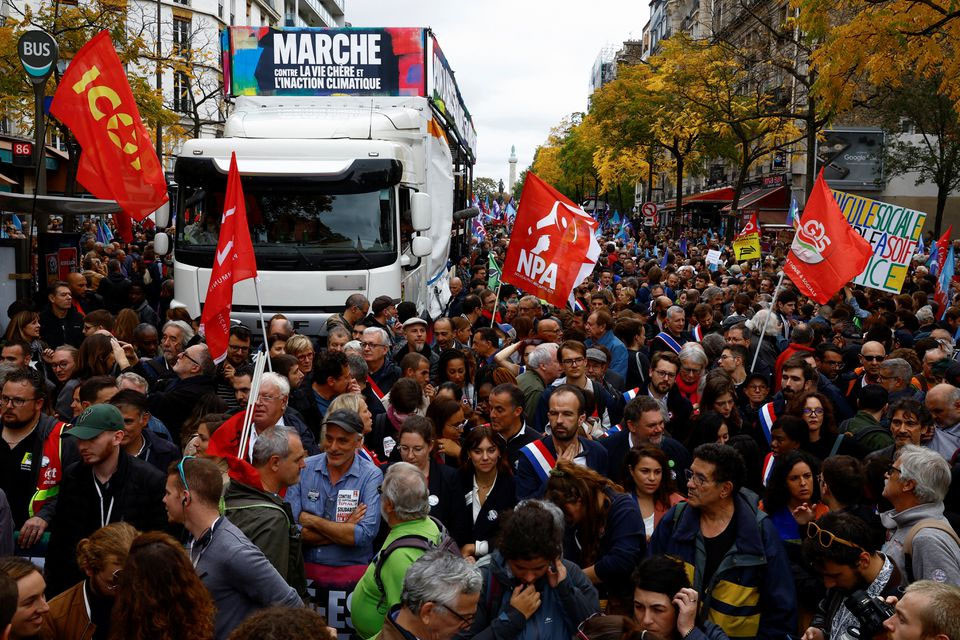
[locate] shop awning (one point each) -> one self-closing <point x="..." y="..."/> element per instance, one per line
<point x="769" y="199"/>
<point x="714" y="196"/>
<point x="55" y="205"/>
<point x="7" y="181"/>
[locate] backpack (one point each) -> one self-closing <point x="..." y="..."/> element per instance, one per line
<point x="926" y="523"/>
<point x="412" y="541"/>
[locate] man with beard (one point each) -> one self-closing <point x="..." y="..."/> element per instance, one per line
<point x="872" y="353"/>
<point x="798" y="377"/>
<point x="174" y="338"/>
<point x="644" y="424"/>
<point x="415" y="341"/>
<point x="664" y="368"/>
<point x="30" y="438"/>
<point x="566" y="415"/>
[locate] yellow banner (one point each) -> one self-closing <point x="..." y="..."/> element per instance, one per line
<point x="747" y="247"/>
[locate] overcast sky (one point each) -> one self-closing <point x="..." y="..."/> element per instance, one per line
<point x="521" y="65"/>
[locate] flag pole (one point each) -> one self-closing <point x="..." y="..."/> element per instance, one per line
<point x="251" y="401"/>
<point x="773" y="304"/>
<point x="263" y="325"/>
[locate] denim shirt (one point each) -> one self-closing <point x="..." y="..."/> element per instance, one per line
<point x="314" y="494"/>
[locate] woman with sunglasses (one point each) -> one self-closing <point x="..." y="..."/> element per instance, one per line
<point x="817" y="411"/>
<point x="84" y="610"/>
<point x="486" y="483"/>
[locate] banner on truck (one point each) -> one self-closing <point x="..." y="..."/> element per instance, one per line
<point x="892" y="231"/>
<point x="353" y="61"/>
<point x="446" y="96"/>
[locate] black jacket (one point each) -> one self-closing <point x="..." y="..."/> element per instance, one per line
<point x="55" y="331"/>
<point x="618" y="444"/>
<point x="115" y="289"/>
<point x="174" y="404"/>
<point x="501" y="499"/>
<point x="306" y="405"/>
<point x="679" y="410"/>
<point x="137" y="489"/>
<point x="159" y="451"/>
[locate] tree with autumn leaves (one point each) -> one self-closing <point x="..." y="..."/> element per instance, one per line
<point x="133" y="30"/>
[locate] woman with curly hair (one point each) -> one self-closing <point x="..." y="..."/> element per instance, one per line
<point x="720" y="395"/>
<point x="793" y="493"/>
<point x="456" y="367"/>
<point x="817" y="411"/>
<point x="604" y="526"/>
<point x="160" y="594"/>
<point x="87" y="605"/>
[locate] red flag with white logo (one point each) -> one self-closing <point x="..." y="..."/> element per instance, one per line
<point x="118" y="161"/>
<point x="752" y="227"/>
<point x="234" y="262"/>
<point x="553" y="247"/>
<point x="826" y="252"/>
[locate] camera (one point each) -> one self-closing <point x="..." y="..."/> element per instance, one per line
<point x="870" y="612"/>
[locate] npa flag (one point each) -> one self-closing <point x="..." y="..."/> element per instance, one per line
<point x="118" y="161"/>
<point x="826" y="252"/>
<point x="552" y="248"/>
<point x="233" y="263"/>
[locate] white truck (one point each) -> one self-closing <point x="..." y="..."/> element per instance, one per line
<point x="345" y="193"/>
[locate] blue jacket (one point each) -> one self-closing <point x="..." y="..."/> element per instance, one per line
<point x="622" y="545"/>
<point x="561" y="610"/>
<point x="532" y="482"/>
<point x="618" y="352"/>
<point x="751" y="594"/>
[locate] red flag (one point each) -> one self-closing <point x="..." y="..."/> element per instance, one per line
<point x="752" y="226"/>
<point x="233" y="263"/>
<point x="826" y="252"/>
<point x="943" y="245"/>
<point x="553" y="247"/>
<point x="118" y="162"/>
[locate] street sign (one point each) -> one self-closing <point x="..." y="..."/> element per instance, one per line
<point x="38" y="54"/>
<point x="23" y="154"/>
<point x="649" y="209"/>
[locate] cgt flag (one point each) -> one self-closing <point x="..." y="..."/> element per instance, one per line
<point x="118" y="161"/>
<point x="826" y="252"/>
<point x="233" y="263"/>
<point x="553" y="247"/>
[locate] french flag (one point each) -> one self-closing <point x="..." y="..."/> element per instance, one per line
<point x="630" y="395"/>
<point x="767" y="418"/>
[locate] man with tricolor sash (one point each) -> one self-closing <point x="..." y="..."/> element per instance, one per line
<point x="798" y="377"/>
<point x="566" y="415"/>
<point x="673" y="337"/>
<point x="664" y="368"/>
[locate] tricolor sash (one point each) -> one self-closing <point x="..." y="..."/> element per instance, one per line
<point x="669" y="341"/>
<point x="697" y="332"/>
<point x="767" y="418"/>
<point x="612" y="430"/>
<point x="540" y="458"/>
<point x="375" y="388"/>
<point x="768" y="464"/>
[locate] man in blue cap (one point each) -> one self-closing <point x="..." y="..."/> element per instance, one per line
<point x="106" y="485"/>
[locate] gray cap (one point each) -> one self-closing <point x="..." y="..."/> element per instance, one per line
<point x="345" y="419"/>
<point x="409" y="322"/>
<point x="597" y="356"/>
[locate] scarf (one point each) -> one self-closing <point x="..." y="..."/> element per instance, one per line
<point x="396" y="419"/>
<point x="689" y="391"/>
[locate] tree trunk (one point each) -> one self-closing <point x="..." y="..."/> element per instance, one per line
<point x="678" y="220"/>
<point x="942" y="193"/>
<point x="738" y="188"/>
<point x="811" y="139"/>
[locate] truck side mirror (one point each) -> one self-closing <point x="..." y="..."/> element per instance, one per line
<point x="421" y="246"/>
<point x="161" y="243"/>
<point x="162" y="215"/>
<point x="420" y="211"/>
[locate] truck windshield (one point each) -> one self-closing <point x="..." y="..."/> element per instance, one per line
<point x="294" y="224"/>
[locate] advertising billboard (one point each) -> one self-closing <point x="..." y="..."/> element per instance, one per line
<point x="851" y="159"/>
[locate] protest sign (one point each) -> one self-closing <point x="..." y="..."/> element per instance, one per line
<point x="891" y="230"/>
<point x="713" y="256"/>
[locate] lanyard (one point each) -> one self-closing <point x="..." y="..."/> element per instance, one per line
<point x="203" y="543"/>
<point x="104" y="519"/>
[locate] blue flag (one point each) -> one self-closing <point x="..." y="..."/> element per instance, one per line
<point x="946" y="277"/>
<point x="16" y="223"/>
<point x="663" y="260"/>
<point x="683" y="246"/>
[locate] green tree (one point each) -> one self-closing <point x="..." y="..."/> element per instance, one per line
<point x="485" y="188"/>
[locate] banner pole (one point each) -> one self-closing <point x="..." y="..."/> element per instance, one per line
<point x="763" y="331"/>
<point x="251" y="401"/>
<point x="263" y="325"/>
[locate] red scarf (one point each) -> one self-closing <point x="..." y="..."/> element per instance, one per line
<point x="689" y="391"/>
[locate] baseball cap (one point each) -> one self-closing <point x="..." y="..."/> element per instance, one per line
<point x="383" y="302"/>
<point x="345" y="419"/>
<point x="597" y="356"/>
<point x="409" y="322"/>
<point x="94" y="421"/>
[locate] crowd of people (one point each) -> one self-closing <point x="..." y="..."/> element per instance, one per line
<point x="675" y="455"/>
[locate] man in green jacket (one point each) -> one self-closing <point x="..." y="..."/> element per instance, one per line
<point x="867" y="430"/>
<point x="405" y="507"/>
<point x="261" y="514"/>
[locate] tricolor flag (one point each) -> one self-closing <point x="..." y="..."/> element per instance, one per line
<point x="767" y="418"/>
<point x="697" y="332"/>
<point x="630" y="395"/>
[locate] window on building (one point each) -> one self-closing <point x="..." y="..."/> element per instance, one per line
<point x="184" y="2"/>
<point x="181" y="35"/>
<point x="220" y="9"/>
<point x="181" y="92"/>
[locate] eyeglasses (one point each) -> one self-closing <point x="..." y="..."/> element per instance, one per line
<point x="60" y="365"/>
<point x="371" y="345"/>
<point x="873" y="358"/>
<point x="572" y="362"/>
<point x="580" y="633"/>
<point x="418" y="450"/>
<point x="756" y="387"/>
<point x="826" y="538"/>
<point x="891" y="470"/>
<point x="16" y="402"/>
<point x="266" y="399"/>
<point x="460" y="426"/>
<point x="237" y="347"/>
<point x="665" y="374"/>
<point x="464" y="621"/>
<point x="698" y="478"/>
<point x="694" y="370"/>
<point x="115" y="579"/>
<point x="187" y="356"/>
<point x="183" y="478"/>
<point x="813" y="412"/>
